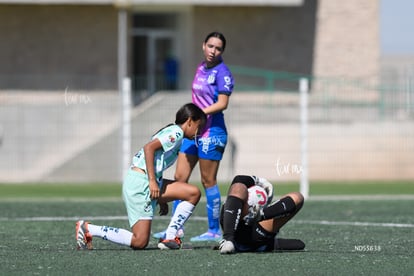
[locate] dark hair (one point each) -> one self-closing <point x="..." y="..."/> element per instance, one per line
<point x="192" y="111"/>
<point x="219" y="36"/>
<point x="188" y="110"/>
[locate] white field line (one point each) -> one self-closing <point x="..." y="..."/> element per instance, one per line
<point x="203" y="199"/>
<point x="354" y="223"/>
<point x="359" y="197"/>
<point x="199" y="218"/>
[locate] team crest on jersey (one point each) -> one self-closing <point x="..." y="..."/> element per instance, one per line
<point x="171" y="138"/>
<point x="212" y="77"/>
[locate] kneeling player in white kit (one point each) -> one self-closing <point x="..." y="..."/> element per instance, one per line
<point x="250" y="220"/>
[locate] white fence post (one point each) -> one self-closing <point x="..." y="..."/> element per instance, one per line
<point x="126" y="125"/>
<point x="304" y="181"/>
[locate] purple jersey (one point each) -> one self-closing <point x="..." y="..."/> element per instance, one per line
<point x="208" y="83"/>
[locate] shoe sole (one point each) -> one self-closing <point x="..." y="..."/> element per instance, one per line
<point x="164" y="247"/>
<point x="82" y="243"/>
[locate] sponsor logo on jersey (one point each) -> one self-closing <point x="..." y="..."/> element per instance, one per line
<point x="260" y="232"/>
<point x="227" y="80"/>
<point x="147" y="207"/>
<point x="197" y="86"/>
<point x="205" y="142"/>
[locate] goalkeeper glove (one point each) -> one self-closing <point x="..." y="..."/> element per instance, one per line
<point x="255" y="214"/>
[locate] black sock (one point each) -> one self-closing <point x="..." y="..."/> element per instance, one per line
<point x="281" y="208"/>
<point x="231" y="216"/>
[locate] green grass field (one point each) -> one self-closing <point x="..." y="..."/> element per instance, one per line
<point x="369" y="232"/>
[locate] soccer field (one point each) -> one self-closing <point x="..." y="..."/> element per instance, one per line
<point x="369" y="235"/>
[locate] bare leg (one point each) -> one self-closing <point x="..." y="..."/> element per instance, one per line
<point x="141" y="232"/>
<point x="184" y="166"/>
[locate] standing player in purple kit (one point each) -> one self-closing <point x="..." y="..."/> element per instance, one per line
<point x="211" y="88"/>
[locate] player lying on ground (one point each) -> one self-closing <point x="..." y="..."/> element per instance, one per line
<point x="144" y="187"/>
<point x="250" y="220"/>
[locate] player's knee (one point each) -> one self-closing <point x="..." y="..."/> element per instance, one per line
<point x="194" y="194"/>
<point x="138" y="244"/>
<point x="238" y="190"/>
<point x="181" y="177"/>
<point x="208" y="181"/>
<point x="297" y="198"/>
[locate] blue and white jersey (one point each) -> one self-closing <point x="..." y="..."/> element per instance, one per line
<point x="171" y="138"/>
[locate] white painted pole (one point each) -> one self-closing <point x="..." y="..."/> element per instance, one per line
<point x="122" y="46"/>
<point x="126" y="125"/>
<point x="124" y="87"/>
<point x="304" y="179"/>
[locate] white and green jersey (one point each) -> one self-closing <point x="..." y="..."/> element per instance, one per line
<point x="171" y="138"/>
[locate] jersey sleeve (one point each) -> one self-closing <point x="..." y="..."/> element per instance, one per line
<point x="225" y="81"/>
<point x="170" y="136"/>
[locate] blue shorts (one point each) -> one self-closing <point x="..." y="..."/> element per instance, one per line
<point x="136" y="195"/>
<point x="209" y="148"/>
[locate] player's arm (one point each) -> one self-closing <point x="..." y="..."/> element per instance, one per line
<point x="149" y="151"/>
<point x="220" y="105"/>
<point x="224" y="85"/>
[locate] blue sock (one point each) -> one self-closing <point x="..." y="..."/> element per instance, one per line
<point x="213" y="208"/>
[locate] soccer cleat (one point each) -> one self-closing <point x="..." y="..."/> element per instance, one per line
<point x="207" y="236"/>
<point x="176" y="243"/>
<point x="226" y="247"/>
<point x="83" y="237"/>
<point x="161" y="235"/>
